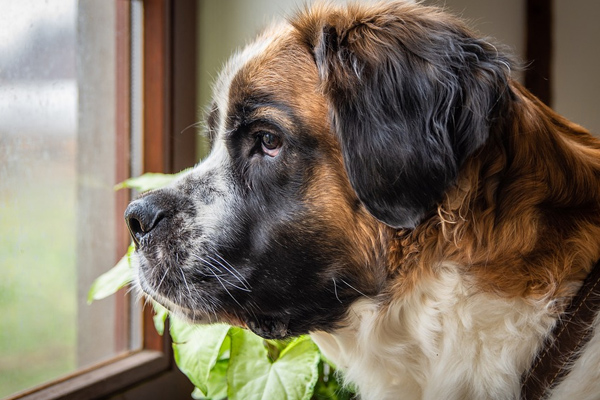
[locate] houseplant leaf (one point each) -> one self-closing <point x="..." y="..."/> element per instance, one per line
<point x="149" y="181"/>
<point x="197" y="348"/>
<point x="114" y="279"/>
<point x="217" y="383"/>
<point x="252" y="375"/>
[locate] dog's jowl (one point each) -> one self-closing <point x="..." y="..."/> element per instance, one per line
<point x="377" y="179"/>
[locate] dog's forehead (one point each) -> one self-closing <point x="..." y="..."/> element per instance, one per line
<point x="272" y="74"/>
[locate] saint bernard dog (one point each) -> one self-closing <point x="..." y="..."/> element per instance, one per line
<point x="379" y="181"/>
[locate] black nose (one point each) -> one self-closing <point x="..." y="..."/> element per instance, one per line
<point x="142" y="216"/>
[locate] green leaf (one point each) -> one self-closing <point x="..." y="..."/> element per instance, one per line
<point x="149" y="181"/>
<point x="197" y="349"/>
<point x="217" y="383"/>
<point x="252" y="375"/>
<point x="114" y="279"/>
<point x="159" y="318"/>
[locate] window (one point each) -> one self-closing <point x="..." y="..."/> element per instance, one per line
<point x="58" y="211"/>
<point x="47" y="179"/>
<point x="86" y="100"/>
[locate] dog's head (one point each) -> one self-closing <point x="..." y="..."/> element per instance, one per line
<point x="328" y="134"/>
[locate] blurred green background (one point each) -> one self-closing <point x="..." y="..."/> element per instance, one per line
<point x="37" y="261"/>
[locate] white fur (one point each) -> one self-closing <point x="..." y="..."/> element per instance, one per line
<point x="446" y="341"/>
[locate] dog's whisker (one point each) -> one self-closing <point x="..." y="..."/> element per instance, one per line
<point x="185" y="281"/>
<point x="213" y="268"/>
<point x="335" y="290"/>
<point x="232" y="268"/>
<point x="355" y="289"/>
<point x="227" y="290"/>
<point x="162" y="279"/>
<point x="194" y="125"/>
<point x="232" y="271"/>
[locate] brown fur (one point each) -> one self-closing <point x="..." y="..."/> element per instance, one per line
<point x="524" y="217"/>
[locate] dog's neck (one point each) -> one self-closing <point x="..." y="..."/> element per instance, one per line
<point x="441" y="340"/>
<point x="516" y="212"/>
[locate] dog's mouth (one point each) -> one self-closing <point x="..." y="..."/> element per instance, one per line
<point x="274" y="326"/>
<point x="191" y="296"/>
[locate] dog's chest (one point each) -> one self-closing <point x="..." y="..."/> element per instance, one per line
<point x="442" y="341"/>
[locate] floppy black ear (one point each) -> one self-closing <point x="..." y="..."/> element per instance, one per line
<point x="412" y="95"/>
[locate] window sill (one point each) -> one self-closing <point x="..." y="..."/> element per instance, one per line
<point x="104" y="380"/>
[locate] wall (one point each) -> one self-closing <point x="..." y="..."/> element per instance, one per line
<point x="576" y="77"/>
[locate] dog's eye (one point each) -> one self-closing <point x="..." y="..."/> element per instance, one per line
<point x="271" y="143"/>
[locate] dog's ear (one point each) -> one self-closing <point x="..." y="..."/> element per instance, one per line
<point x="412" y="94"/>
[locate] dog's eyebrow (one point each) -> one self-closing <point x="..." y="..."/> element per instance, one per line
<point x="277" y="115"/>
<point x="263" y="109"/>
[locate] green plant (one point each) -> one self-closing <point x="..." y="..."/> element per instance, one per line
<point x="223" y="361"/>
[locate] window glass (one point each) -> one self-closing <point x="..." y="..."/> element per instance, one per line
<point x="57" y="207"/>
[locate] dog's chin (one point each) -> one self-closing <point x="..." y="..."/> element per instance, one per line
<point x="270" y="327"/>
<point x="150" y="293"/>
<point x="267" y="327"/>
<point x="181" y="312"/>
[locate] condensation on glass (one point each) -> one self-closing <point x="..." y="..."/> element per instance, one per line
<point x="57" y="172"/>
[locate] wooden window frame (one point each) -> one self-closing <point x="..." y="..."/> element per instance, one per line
<point x="169" y="107"/>
<point x="539" y="48"/>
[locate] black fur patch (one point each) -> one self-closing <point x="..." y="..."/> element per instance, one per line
<point x="412" y="98"/>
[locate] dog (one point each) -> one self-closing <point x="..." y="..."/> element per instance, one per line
<point x="379" y="181"/>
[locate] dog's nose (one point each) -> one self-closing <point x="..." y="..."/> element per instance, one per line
<point x="142" y="216"/>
